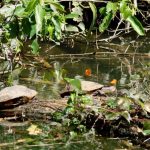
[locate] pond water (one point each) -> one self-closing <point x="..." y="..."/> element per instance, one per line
<point x="45" y="74"/>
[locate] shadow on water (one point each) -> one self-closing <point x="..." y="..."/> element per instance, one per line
<point x="48" y="81"/>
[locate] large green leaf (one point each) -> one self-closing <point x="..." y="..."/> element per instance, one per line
<point x="136" y="24"/>
<point x="94" y="11"/>
<point x="106" y="21"/>
<point x="39" y="16"/>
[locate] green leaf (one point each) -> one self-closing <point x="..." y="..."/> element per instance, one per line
<point x="125" y="14"/>
<point x="146" y="125"/>
<point x="105" y="23"/>
<point x="126" y="115"/>
<point x="123" y="6"/>
<point x="55" y="6"/>
<point x="57" y="24"/>
<point x="125" y="9"/>
<point x="51" y="31"/>
<point x="102" y="11"/>
<point x="111" y="7"/>
<point x="72" y="16"/>
<point x="146" y="132"/>
<point x="94" y="12"/>
<point x="7" y="10"/>
<point x="81" y="26"/>
<point x="33" y="31"/>
<point x="112" y="116"/>
<point x="31" y="6"/>
<point x="75" y="83"/>
<point x="71" y="28"/>
<point x="136" y="24"/>
<point x="35" y="47"/>
<point x="19" y="11"/>
<point x="39" y="16"/>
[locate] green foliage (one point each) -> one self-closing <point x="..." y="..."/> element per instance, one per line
<point x="127" y="13"/>
<point x="137" y="26"/>
<point x="76" y="105"/>
<point x="47" y="19"/>
<point x="39" y="17"/>
<point x="35" y="20"/>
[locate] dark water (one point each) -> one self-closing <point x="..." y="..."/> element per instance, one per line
<point x="49" y="82"/>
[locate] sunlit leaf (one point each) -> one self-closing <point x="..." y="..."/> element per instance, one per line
<point x="72" y="16"/>
<point x="78" y="10"/>
<point x="56" y="6"/>
<point x="136" y="24"/>
<point x="147" y="106"/>
<point x="111" y="6"/>
<point x="71" y="28"/>
<point x="7" y="10"/>
<point x="34" y="130"/>
<point x="125" y="9"/>
<point x="39" y="16"/>
<point x="126" y="115"/>
<point x="81" y="26"/>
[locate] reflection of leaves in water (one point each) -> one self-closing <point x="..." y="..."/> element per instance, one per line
<point x="13" y="77"/>
<point x="58" y="72"/>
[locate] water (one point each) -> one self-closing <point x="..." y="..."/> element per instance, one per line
<point x="48" y="81"/>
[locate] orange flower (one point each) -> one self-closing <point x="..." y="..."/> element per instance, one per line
<point x="113" y="82"/>
<point x="88" y="72"/>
